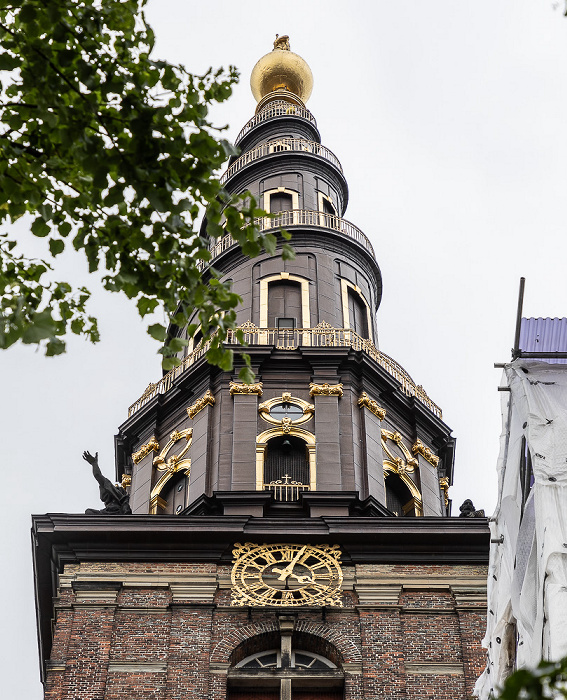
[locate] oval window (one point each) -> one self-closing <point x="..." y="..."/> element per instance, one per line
<point x="286" y="410"/>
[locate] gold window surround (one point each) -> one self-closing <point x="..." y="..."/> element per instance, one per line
<point x="402" y="467"/>
<point x="345" y="285"/>
<point x="170" y="466"/>
<point x="305" y="306"/>
<point x="278" y="431"/>
<point x="265" y="408"/>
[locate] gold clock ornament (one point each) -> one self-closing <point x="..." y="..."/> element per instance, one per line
<point x="286" y="575"/>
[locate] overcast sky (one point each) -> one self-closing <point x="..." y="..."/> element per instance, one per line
<point x="449" y="119"/>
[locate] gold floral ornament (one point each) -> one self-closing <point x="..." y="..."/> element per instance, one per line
<point x="325" y="389"/>
<point x="151" y="446"/>
<point x="286" y="575"/>
<point x="126" y="481"/>
<point x="419" y="448"/>
<point x="207" y="400"/>
<point x="371" y="405"/>
<point x="236" y="388"/>
<point x="404" y="464"/>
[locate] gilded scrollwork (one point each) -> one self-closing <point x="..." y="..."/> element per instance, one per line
<point x="126" y="481"/>
<point x="325" y="389"/>
<point x="236" y="388"/>
<point x="207" y="400"/>
<point x="248" y="327"/>
<point x="151" y="446"/>
<point x="287" y="424"/>
<point x="419" y="448"/>
<point x="406" y="464"/>
<point x="371" y="405"/>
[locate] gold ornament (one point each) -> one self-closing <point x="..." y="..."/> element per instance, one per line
<point x="207" y="400"/>
<point x="126" y="481"/>
<point x="286" y="575"/>
<point x="282" y="70"/>
<point x="325" y="389"/>
<point x="444" y="485"/>
<point x="371" y="405"/>
<point x="419" y="448"/>
<point x="236" y="388"/>
<point x="152" y="445"/>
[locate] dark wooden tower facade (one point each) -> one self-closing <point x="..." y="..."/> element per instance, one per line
<point x="289" y="538"/>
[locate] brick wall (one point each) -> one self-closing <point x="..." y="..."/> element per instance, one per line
<point x="168" y="632"/>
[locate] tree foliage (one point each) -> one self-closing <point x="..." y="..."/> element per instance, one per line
<point x="111" y="151"/>
<point x="548" y="680"/>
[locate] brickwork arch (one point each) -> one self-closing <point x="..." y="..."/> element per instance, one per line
<point x="346" y="648"/>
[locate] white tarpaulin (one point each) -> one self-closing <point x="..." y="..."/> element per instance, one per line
<point x="527" y="579"/>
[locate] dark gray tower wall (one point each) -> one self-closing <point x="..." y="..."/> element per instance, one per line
<point x="372" y="441"/>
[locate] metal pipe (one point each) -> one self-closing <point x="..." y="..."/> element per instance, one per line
<point x="516" y="348"/>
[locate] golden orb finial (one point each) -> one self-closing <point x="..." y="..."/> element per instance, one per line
<point x="281" y="71"/>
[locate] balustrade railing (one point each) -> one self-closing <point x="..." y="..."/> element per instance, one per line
<point x="275" y="109"/>
<point x="322" y="335"/>
<point x="280" y="146"/>
<point x="296" y="217"/>
<point x="286" y="490"/>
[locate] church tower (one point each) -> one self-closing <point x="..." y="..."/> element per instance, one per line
<point x="289" y="538"/>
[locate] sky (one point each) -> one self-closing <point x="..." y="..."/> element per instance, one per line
<point x="449" y="121"/>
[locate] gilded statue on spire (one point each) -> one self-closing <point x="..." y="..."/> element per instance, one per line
<point x="282" y="42"/>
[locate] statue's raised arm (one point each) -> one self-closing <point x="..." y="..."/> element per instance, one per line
<point x="114" y="497"/>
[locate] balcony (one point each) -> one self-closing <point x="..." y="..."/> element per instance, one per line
<point x="322" y="335"/>
<point x="285" y="489"/>
<point x="282" y="145"/>
<point x="297" y="218"/>
<point x="279" y="108"/>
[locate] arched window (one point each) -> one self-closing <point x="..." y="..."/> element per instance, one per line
<point x="281" y="201"/>
<point x="286" y="467"/>
<point x="356" y="311"/>
<point x="358" y="318"/>
<point x="399" y="499"/>
<point x="284" y="304"/>
<point x="175" y="495"/>
<point x="297" y="673"/>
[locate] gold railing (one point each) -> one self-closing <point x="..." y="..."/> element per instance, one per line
<point x="285" y="490"/>
<point x="289" y="219"/>
<point x="282" y="145"/>
<point x="322" y="335"/>
<point x="279" y="108"/>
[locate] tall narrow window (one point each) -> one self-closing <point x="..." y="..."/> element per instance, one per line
<point x="284" y="305"/>
<point x="358" y="318"/>
<point x="286" y="468"/>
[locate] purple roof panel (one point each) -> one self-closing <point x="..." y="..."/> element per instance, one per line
<point x="544" y="335"/>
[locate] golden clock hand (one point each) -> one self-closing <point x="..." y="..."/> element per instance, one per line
<point x="302" y="579"/>
<point x="284" y="573"/>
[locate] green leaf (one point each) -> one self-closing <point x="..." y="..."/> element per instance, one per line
<point x="8" y="62"/>
<point x="56" y="246"/>
<point x="158" y="332"/>
<point x="146" y="306"/>
<point x="40" y="228"/>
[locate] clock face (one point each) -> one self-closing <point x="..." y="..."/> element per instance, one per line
<point x="286" y="575"/>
